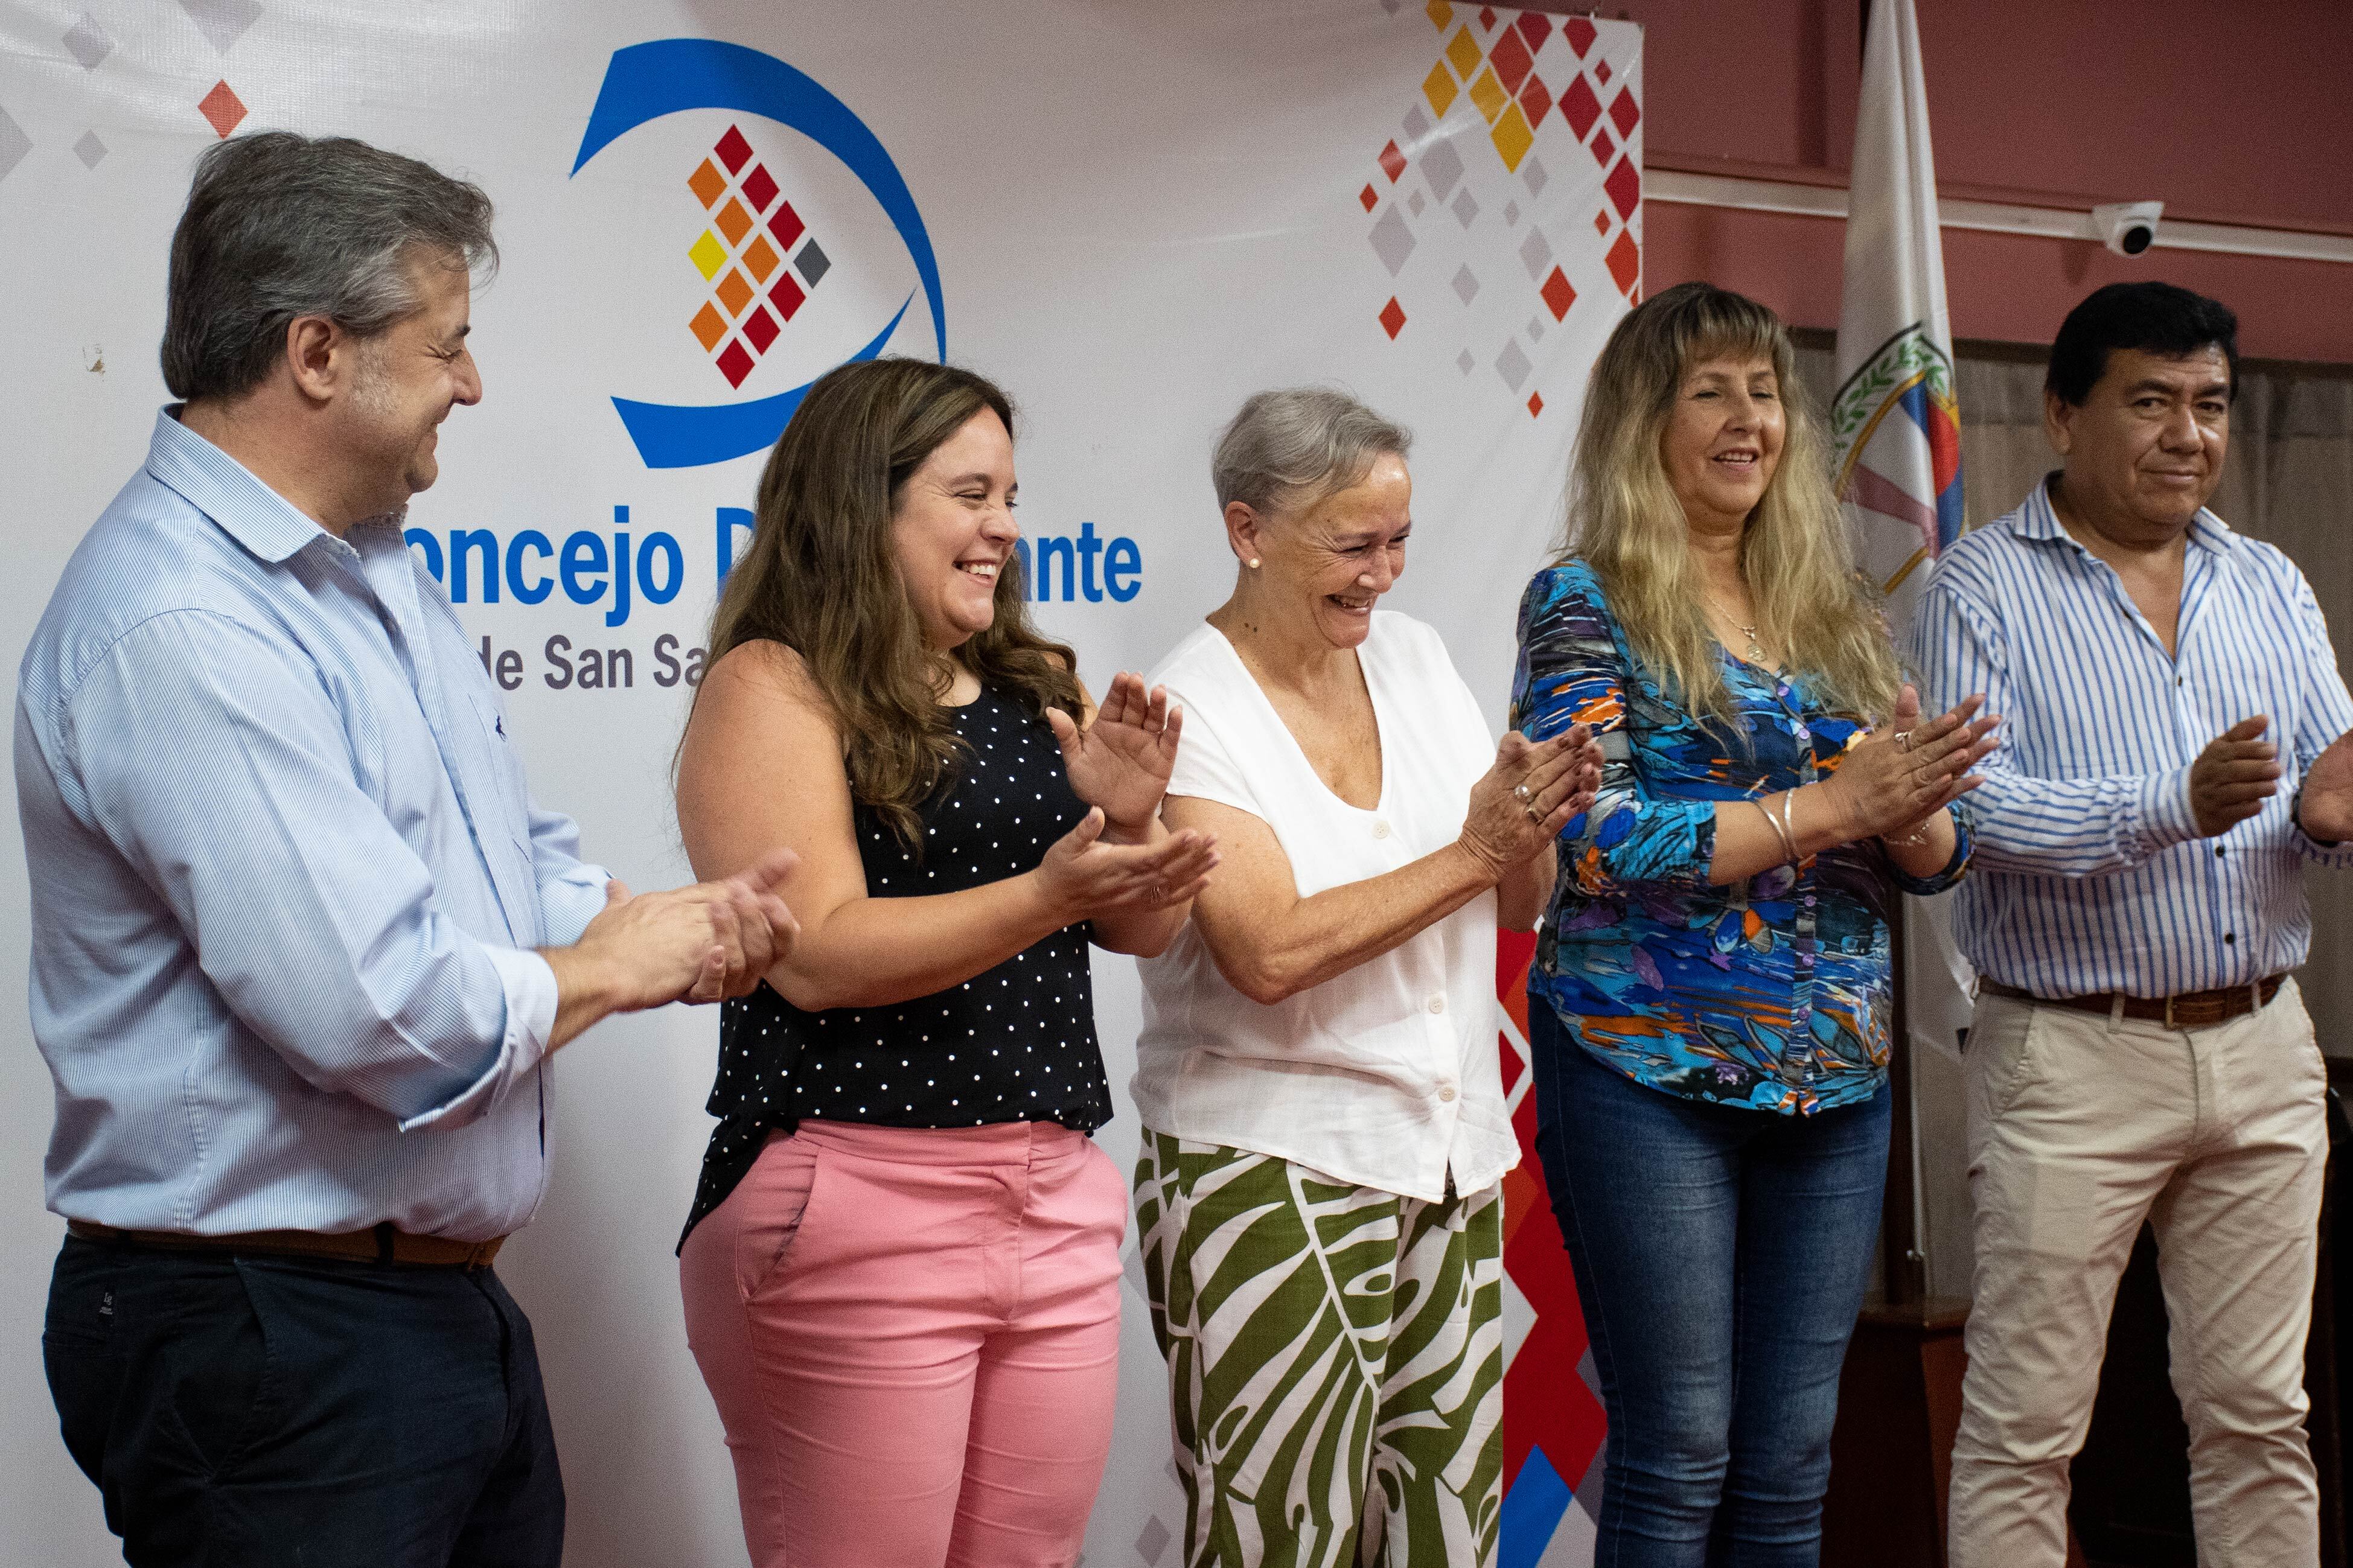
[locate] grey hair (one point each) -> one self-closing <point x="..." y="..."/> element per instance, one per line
<point x="1294" y="447"/>
<point x="279" y="225"/>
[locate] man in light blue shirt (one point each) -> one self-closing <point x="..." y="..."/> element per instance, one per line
<point x="2173" y="751"/>
<point x="301" y="943"/>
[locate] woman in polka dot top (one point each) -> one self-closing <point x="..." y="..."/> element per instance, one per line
<point x="902" y="1267"/>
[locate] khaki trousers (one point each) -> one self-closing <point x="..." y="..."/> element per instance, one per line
<point x="2080" y="1127"/>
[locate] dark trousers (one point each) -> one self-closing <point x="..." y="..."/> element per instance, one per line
<point x="1720" y="1256"/>
<point x="251" y="1411"/>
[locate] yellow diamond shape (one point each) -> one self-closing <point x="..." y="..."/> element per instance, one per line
<point x="1464" y="52"/>
<point x="1489" y="95"/>
<point x="707" y="254"/>
<point x="1512" y="136"/>
<point x="1439" y="89"/>
<point x="1440" y="13"/>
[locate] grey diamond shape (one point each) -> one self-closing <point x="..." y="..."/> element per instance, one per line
<point x="1512" y="365"/>
<point x="1536" y="328"/>
<point x="1393" y="6"/>
<point x="1466" y="286"/>
<point x="813" y="263"/>
<point x="1413" y="200"/>
<point x="222" y="22"/>
<point x="1536" y="253"/>
<point x="87" y="41"/>
<point x="1442" y="166"/>
<point x="89" y="150"/>
<point x="1464" y="362"/>
<point x="1464" y="208"/>
<point x="1392" y="241"/>
<point x="1152" y="1540"/>
<point x="14" y="143"/>
<point x="1417" y="124"/>
<point x="1535" y="175"/>
<point x="1511" y="214"/>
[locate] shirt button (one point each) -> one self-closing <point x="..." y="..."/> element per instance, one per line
<point x="2218" y="852"/>
<point x="2229" y="937"/>
<point x="1381" y="828"/>
<point x="1446" y="1093"/>
<point x="1438" y="1003"/>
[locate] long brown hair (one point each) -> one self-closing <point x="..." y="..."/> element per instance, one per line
<point x="821" y="577"/>
<point x="1625" y="522"/>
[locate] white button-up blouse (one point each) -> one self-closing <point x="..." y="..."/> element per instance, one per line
<point x="1386" y="1075"/>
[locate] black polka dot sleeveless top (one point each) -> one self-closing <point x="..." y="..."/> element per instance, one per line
<point x="1016" y="1042"/>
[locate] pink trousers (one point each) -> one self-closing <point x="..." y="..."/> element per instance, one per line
<point x="912" y="1337"/>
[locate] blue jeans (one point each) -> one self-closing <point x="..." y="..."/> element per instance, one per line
<point x="1720" y="1257"/>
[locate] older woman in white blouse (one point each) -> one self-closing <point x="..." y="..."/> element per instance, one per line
<point x="1324" y="1130"/>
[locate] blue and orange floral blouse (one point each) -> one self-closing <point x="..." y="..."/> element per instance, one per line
<point x="1772" y="994"/>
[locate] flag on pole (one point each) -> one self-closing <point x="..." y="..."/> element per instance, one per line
<point x="1896" y="429"/>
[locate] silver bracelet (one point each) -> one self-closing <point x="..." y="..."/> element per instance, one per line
<point x="1789" y="847"/>
<point x="1789" y="824"/>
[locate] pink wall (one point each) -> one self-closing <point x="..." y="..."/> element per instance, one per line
<point x="2230" y="114"/>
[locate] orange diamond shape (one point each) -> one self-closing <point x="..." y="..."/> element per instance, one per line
<point x="1557" y="294"/>
<point x="709" y="327"/>
<point x="761" y="260"/>
<point x="734" y="222"/>
<point x="222" y="108"/>
<point x="1393" y="318"/>
<point x="733" y="293"/>
<point x="707" y="182"/>
<point x="1625" y="260"/>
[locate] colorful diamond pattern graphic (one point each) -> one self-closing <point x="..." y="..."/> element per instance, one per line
<point x="742" y="251"/>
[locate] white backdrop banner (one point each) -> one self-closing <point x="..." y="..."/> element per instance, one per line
<point x="1132" y="216"/>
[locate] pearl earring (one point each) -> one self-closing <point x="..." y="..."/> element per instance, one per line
<point x="1253" y="563"/>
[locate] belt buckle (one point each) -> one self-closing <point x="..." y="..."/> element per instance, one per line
<point x="2169" y="1013"/>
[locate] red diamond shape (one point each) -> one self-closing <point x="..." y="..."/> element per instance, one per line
<point x="1536" y="99"/>
<point x="736" y="363"/>
<point x="1535" y="27"/>
<point x="1579" y="33"/>
<point x="1557" y="294"/>
<point x="1580" y="107"/>
<point x="1510" y="59"/>
<point x="786" y="297"/>
<point x="1486" y="15"/>
<point x="1625" y="113"/>
<point x="1601" y="221"/>
<point x="222" y="108"/>
<point x="1370" y="197"/>
<point x="787" y="226"/>
<point x="734" y="150"/>
<point x="761" y="328"/>
<point x="1604" y="149"/>
<point x="1601" y="72"/>
<point x="1536" y="403"/>
<point x="1625" y="260"/>
<point x="1511" y="1064"/>
<point x="1393" y="318"/>
<point x="1625" y="186"/>
<point x="1392" y="163"/>
<point x="760" y="189"/>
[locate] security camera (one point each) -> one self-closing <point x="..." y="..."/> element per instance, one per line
<point x="2127" y="227"/>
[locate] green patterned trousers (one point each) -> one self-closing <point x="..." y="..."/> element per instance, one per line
<point x="1337" y="1359"/>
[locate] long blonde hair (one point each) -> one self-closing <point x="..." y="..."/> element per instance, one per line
<point x="1624" y="521"/>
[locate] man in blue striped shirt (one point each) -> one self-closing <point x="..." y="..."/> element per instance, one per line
<point x="2173" y="748"/>
<point x="301" y="945"/>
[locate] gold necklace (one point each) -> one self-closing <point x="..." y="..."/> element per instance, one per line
<point x="1756" y="653"/>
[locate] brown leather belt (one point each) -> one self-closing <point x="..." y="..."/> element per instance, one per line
<point x="384" y="1244"/>
<point x="2190" y="1010"/>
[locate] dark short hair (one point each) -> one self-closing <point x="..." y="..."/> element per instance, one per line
<point x="2155" y="318"/>
<point x="279" y="225"/>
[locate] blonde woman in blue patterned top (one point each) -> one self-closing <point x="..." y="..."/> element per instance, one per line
<point x="1709" y="1011"/>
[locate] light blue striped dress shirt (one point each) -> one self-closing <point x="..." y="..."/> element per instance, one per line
<point x="2090" y="875"/>
<point x="285" y="878"/>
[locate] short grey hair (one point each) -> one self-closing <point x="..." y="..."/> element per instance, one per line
<point x="1292" y="448"/>
<point x="279" y="225"/>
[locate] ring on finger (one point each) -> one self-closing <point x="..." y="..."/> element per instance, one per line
<point x="1520" y="793"/>
<point x="1533" y="815"/>
<point x="1903" y="740"/>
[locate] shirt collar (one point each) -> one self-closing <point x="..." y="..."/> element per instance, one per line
<point x="2038" y="519"/>
<point x="264" y="522"/>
